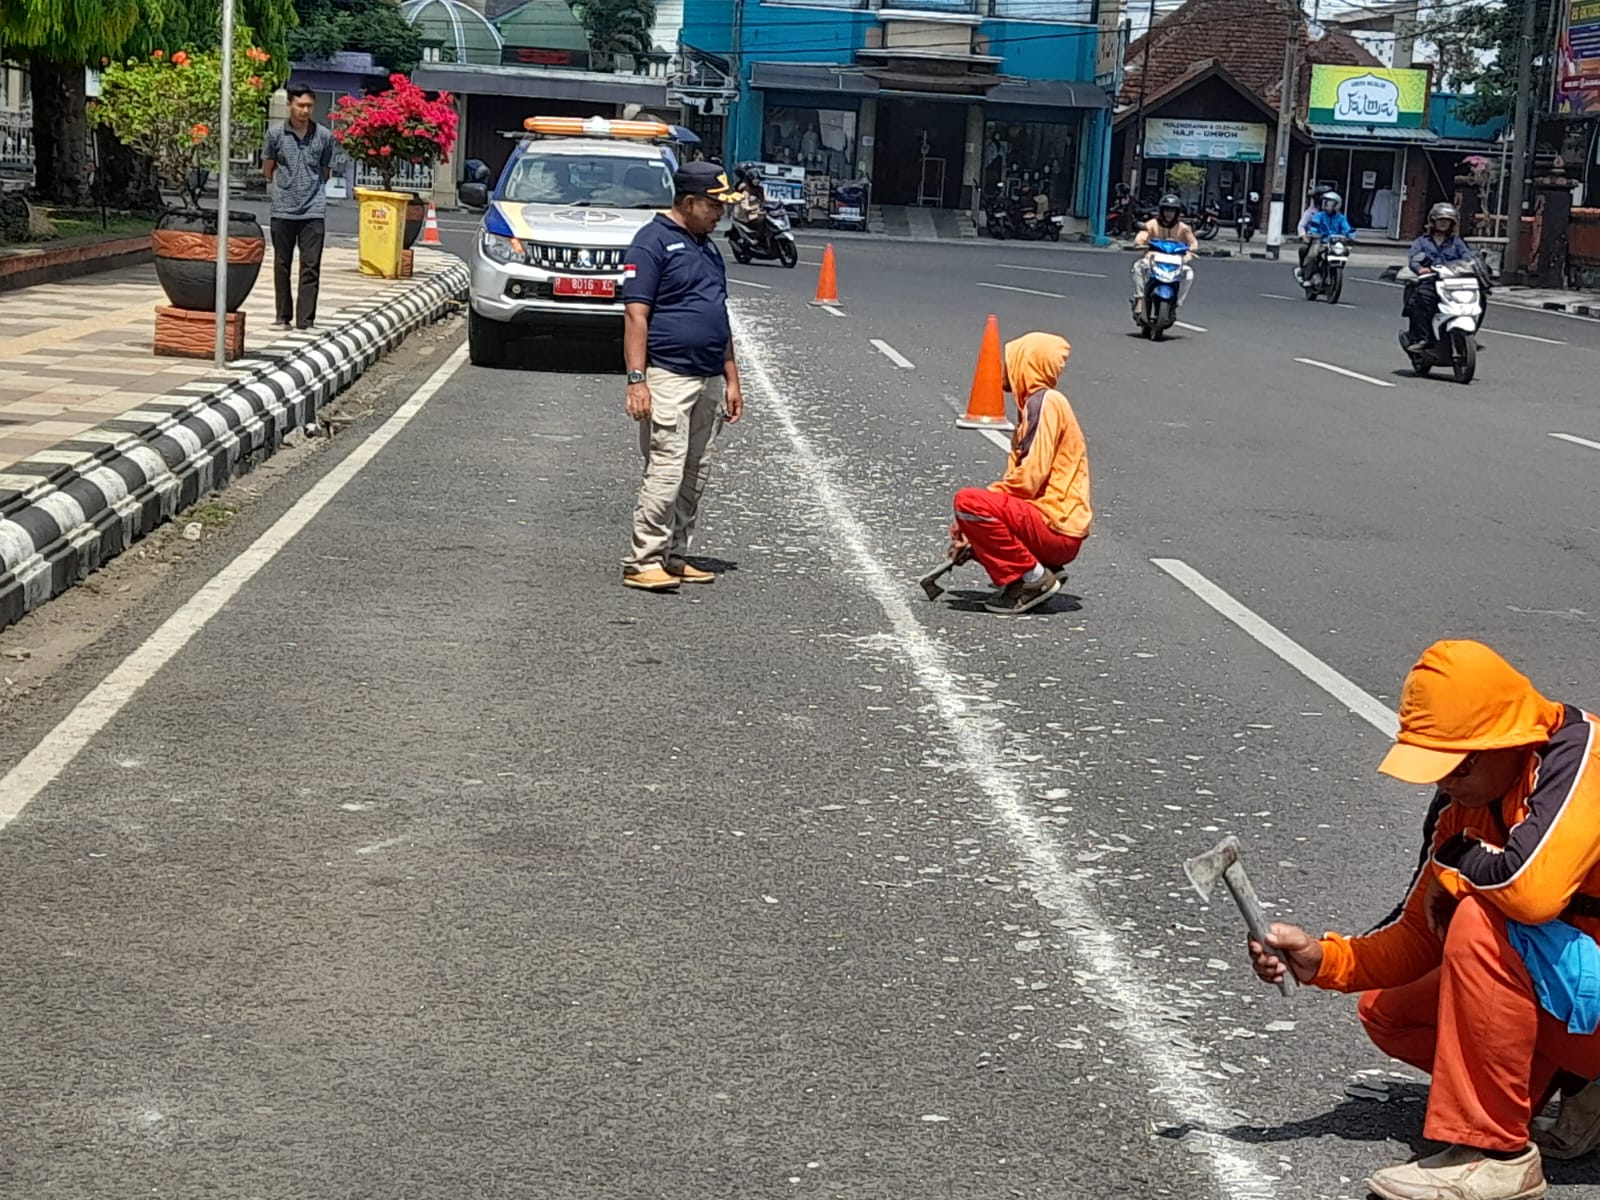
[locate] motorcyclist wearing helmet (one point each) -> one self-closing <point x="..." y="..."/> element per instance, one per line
<point x="1440" y="244"/>
<point x="1327" y="223"/>
<point x="752" y="210"/>
<point x="1312" y="209"/>
<point x="1167" y="225"/>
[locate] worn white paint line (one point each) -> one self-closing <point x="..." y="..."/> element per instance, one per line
<point x="1365" y="705"/>
<point x="1003" y="440"/>
<point x="1274" y="296"/>
<point x="1052" y="271"/>
<point x="62" y="744"/>
<point x="1191" y="328"/>
<point x="994" y="760"/>
<point x="765" y="287"/>
<point x="893" y="355"/>
<point x="832" y="310"/>
<point x="1311" y="362"/>
<point x="1005" y="287"/>
<point x="1521" y="337"/>
<point x="1576" y="440"/>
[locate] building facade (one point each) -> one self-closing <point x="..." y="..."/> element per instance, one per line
<point x="935" y="103"/>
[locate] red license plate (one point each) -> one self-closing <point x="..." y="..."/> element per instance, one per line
<point x="566" y="285"/>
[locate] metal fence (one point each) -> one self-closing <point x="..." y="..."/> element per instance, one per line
<point x="408" y="177"/>
<point x="16" y="142"/>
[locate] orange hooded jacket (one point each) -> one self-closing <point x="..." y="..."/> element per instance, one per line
<point x="1049" y="462"/>
<point x="1534" y="854"/>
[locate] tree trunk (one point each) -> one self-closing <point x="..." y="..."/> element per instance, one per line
<point x="60" y="133"/>
<point x="128" y="177"/>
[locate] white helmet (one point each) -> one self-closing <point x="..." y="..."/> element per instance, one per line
<point x="1331" y="202"/>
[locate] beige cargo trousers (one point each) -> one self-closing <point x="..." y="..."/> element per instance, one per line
<point x="686" y="414"/>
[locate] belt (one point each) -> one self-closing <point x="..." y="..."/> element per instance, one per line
<point x="1582" y="906"/>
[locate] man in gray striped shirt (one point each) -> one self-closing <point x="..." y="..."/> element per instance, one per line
<point x="297" y="163"/>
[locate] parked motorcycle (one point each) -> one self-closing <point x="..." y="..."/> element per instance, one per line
<point x="767" y="239"/>
<point x="1209" y="221"/>
<point x="849" y="208"/>
<point x="1453" y="334"/>
<point x="1244" y="214"/>
<point x="1327" y="279"/>
<point x="1120" y="218"/>
<point x="999" y="219"/>
<point x="1162" y="288"/>
<point x="1032" y="225"/>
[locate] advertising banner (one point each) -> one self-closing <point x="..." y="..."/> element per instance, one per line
<point x="1577" y="83"/>
<point x="1362" y="96"/>
<point x="1229" y="141"/>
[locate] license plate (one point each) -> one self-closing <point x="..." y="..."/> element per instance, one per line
<point x="566" y="285"/>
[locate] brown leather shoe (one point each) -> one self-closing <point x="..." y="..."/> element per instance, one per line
<point x="651" y="579"/>
<point x="680" y="569"/>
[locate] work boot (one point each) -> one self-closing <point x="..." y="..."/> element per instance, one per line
<point x="1018" y="596"/>
<point x="685" y="573"/>
<point x="651" y="579"/>
<point x="1576" y="1131"/>
<point x="1463" y="1173"/>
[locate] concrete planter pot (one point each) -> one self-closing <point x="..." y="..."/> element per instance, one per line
<point x="185" y="246"/>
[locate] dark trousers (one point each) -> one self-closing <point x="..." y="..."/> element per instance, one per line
<point x="1421" y="302"/>
<point x="307" y="236"/>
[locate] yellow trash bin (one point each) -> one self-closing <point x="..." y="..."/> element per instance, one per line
<point x="383" y="231"/>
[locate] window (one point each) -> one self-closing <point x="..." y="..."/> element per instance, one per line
<point x="581" y="180"/>
<point x="1070" y="12"/>
<point x="822" y="140"/>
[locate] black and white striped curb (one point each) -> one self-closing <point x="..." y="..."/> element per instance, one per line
<point x="140" y="470"/>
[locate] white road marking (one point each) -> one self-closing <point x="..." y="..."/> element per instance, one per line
<point x="1052" y="271"/>
<point x="765" y="287"/>
<point x="893" y="355"/>
<point x="1003" y="440"/>
<point x="1576" y="440"/>
<point x="1521" y="337"/>
<point x="1366" y="706"/>
<point x="1192" y="328"/>
<point x="1003" y="287"/>
<point x="1544" y="312"/>
<point x="1311" y="362"/>
<point x="831" y="310"/>
<point x="992" y="759"/>
<point x="1275" y="296"/>
<point x="61" y="745"/>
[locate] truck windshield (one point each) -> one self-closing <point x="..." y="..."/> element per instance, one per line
<point x="600" y="180"/>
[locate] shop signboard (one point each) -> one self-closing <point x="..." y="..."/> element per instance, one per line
<point x="1577" y="82"/>
<point x="1229" y="141"/>
<point x="1393" y="98"/>
<point x="1110" y="46"/>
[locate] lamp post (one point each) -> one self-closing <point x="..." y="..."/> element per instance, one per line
<point x="225" y="138"/>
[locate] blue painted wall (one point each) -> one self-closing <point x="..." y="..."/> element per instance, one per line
<point x="1042" y="49"/>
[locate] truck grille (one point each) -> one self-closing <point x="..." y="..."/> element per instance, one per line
<point x="576" y="259"/>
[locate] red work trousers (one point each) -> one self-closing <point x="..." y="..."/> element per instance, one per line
<point x="1475" y="1025"/>
<point x="1009" y="536"/>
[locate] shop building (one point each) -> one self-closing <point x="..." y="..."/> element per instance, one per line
<point x="936" y="103"/>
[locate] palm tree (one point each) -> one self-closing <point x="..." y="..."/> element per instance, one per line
<point x="616" y="27"/>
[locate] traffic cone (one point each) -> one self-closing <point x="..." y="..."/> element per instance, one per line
<point x="430" y="229"/>
<point x="827" y="285"/>
<point x="986" y="403"/>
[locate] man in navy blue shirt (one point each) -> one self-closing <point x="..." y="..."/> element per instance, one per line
<point x="682" y="380"/>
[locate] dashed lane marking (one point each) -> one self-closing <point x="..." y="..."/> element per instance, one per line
<point x="1576" y="440"/>
<point x="1311" y="362"/>
<point x="765" y="287"/>
<point x="1005" y="287"/>
<point x="1191" y="328"/>
<point x="893" y="355"/>
<point x="1052" y="271"/>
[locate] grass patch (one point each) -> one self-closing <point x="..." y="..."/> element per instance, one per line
<point x="209" y="512"/>
<point x="77" y="225"/>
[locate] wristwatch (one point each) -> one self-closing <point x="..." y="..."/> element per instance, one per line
<point x="635" y="376"/>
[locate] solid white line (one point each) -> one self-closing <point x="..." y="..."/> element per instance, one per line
<point x="1521" y="337"/>
<point x="832" y="311"/>
<point x="1366" y="706"/>
<point x="993" y="758"/>
<point x="1194" y="328"/>
<point x="893" y="355"/>
<point x="1052" y="271"/>
<point x="62" y="744"/>
<point x="1002" y="287"/>
<point x="1576" y="440"/>
<point x="765" y="287"/>
<point x="1311" y="362"/>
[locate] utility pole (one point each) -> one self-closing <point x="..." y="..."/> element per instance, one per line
<point x="224" y="184"/>
<point x="1138" y="119"/>
<point x="1286" y="106"/>
<point x="730" y="135"/>
<point x="1519" y="144"/>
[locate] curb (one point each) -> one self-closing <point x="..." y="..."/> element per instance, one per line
<point x="24" y="266"/>
<point x="84" y="513"/>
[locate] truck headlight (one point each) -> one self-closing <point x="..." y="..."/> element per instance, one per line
<point x="502" y="249"/>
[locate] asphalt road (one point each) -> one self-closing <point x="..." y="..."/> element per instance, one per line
<point x="437" y="864"/>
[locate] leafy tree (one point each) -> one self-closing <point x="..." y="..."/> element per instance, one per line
<point x="616" y="27"/>
<point x="375" y="26"/>
<point x="1475" y="50"/>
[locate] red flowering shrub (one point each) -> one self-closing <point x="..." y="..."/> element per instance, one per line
<point x="399" y="124"/>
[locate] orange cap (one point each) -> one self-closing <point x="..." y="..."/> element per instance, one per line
<point x="1460" y="697"/>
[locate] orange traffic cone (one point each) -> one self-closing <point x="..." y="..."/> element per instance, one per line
<point x="827" y="285"/>
<point x="986" y="403"/>
<point x="430" y="229"/>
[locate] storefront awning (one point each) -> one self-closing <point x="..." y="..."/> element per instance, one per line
<point x="1373" y="135"/>
<point x="601" y="87"/>
<point x="851" y="81"/>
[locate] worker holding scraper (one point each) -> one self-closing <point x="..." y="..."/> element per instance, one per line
<point x="1487" y="975"/>
<point x="1024" y="528"/>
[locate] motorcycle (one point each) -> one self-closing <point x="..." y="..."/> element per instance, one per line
<point x="999" y="220"/>
<point x="1162" y="288"/>
<point x="1452" y="341"/>
<point x="767" y="239"/>
<point x="1120" y="216"/>
<point x="1031" y="226"/>
<point x="849" y="209"/>
<point x="1328" y="278"/>
<point x="1244" y="215"/>
<point x="1210" y="220"/>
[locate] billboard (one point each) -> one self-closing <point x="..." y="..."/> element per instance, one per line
<point x="1227" y="141"/>
<point x="1393" y="98"/>
<point x="1577" y="82"/>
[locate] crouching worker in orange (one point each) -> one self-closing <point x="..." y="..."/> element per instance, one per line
<point x="1487" y="975"/>
<point x="1030" y="524"/>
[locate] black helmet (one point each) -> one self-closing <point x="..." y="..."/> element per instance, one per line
<point x="1170" y="200"/>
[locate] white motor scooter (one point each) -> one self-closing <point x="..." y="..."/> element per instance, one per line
<point x="1453" y="340"/>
